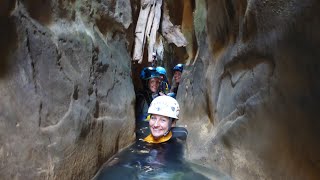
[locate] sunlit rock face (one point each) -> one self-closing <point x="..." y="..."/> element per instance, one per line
<point x="66" y="93"/>
<point x="251" y="99"/>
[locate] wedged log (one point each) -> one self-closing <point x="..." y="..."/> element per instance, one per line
<point x="171" y="32"/>
<point x="155" y="27"/>
<point x="140" y="29"/>
<point x="150" y="21"/>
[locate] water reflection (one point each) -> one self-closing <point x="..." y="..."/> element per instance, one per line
<point x="153" y="161"/>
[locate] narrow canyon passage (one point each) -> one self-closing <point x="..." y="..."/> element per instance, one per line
<point x="248" y="94"/>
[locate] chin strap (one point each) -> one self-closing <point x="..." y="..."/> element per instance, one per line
<point x="166" y="133"/>
<point x="170" y="126"/>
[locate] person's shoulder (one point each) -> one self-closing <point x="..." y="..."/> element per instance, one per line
<point x="171" y="94"/>
<point x="141" y="93"/>
<point x="140" y="97"/>
<point x="179" y="133"/>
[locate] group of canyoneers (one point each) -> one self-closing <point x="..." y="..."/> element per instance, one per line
<point x="156" y="104"/>
<point x="158" y="153"/>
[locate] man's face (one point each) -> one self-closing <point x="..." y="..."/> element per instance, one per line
<point x="159" y="125"/>
<point x="153" y="84"/>
<point x="177" y="76"/>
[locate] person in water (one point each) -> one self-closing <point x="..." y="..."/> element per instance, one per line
<point x="150" y="79"/>
<point x="160" y="155"/>
<point x="164" y="111"/>
<point x="177" y="72"/>
<point x="164" y="85"/>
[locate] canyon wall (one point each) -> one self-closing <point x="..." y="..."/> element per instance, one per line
<point x="66" y="92"/>
<point x="250" y="98"/>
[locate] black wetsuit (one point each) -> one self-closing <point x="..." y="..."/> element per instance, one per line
<point x="143" y="101"/>
<point x="151" y="161"/>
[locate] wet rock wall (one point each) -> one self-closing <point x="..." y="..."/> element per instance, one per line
<point x="66" y="92"/>
<point x="250" y="98"/>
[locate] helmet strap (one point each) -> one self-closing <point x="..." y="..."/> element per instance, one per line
<point x="171" y="120"/>
<point x="166" y="133"/>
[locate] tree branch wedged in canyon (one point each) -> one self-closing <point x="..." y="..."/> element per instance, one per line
<point x="147" y="28"/>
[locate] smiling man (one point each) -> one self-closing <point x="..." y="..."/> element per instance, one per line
<point x="153" y="84"/>
<point x="150" y="79"/>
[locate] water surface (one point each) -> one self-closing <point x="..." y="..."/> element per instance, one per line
<point x="145" y="161"/>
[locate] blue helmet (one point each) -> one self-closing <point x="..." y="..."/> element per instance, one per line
<point x="178" y="67"/>
<point x="148" y="73"/>
<point x="161" y="70"/>
<point x="143" y="73"/>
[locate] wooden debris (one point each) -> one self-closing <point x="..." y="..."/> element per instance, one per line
<point x="154" y="30"/>
<point x="140" y="30"/>
<point x="171" y="32"/>
<point x="148" y="26"/>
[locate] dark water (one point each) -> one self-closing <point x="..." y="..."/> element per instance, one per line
<point x="154" y="161"/>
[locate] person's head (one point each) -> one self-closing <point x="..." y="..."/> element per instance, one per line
<point x="177" y="71"/>
<point x="162" y="71"/>
<point x="153" y="84"/>
<point x="150" y="79"/>
<point x="164" y="111"/>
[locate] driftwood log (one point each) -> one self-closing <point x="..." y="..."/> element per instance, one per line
<point x="141" y="29"/>
<point x="147" y="28"/>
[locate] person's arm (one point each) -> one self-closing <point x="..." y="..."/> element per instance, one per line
<point x="140" y="108"/>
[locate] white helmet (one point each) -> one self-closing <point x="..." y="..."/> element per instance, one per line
<point x="165" y="106"/>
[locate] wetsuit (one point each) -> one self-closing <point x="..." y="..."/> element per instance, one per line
<point x="143" y="101"/>
<point x="151" y="161"/>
